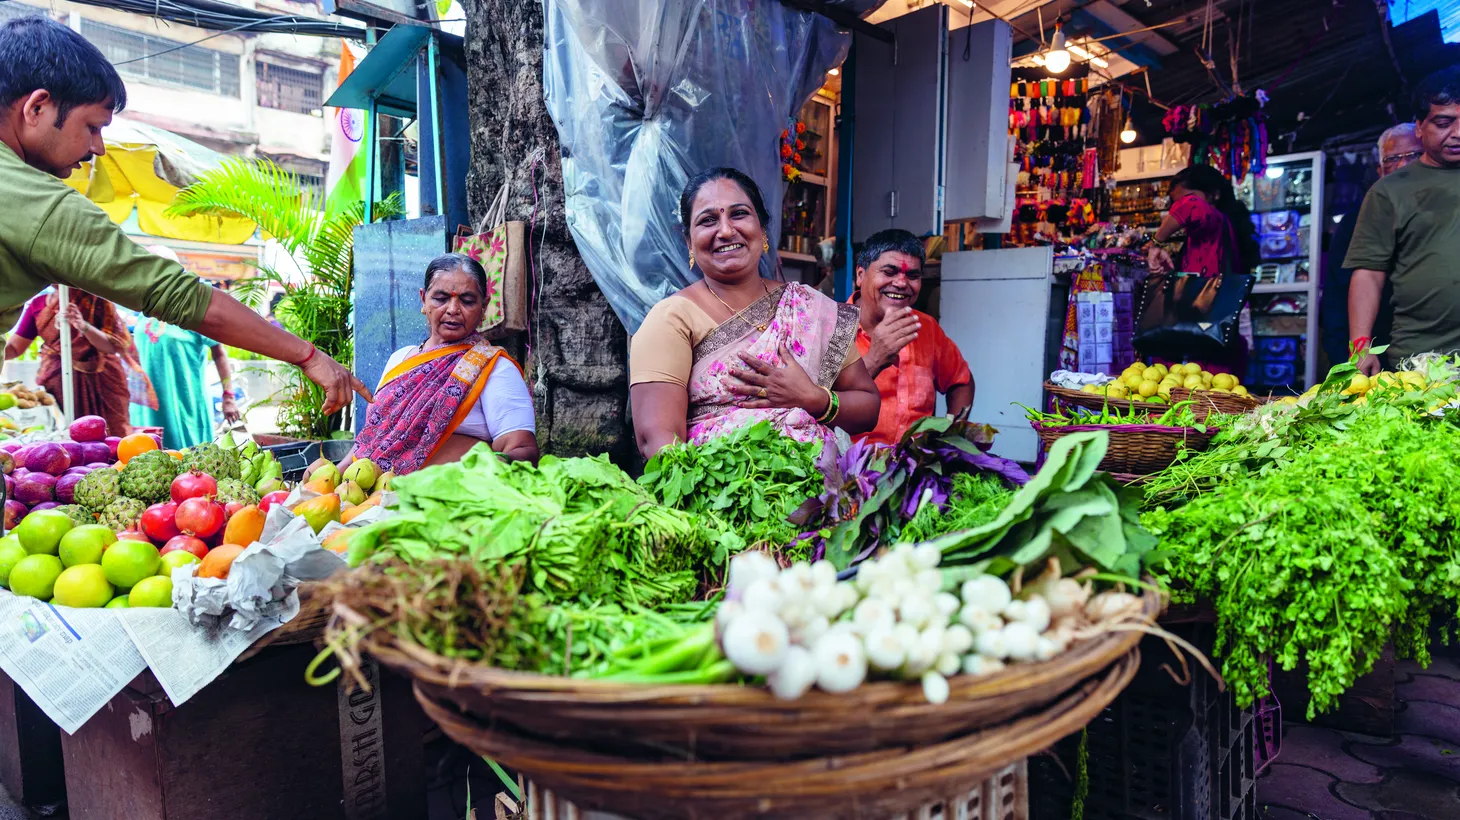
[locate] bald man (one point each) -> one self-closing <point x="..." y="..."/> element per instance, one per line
<point x="1398" y="147"/>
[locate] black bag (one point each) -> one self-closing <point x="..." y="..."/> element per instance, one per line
<point x="1188" y="316"/>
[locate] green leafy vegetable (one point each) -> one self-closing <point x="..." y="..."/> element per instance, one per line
<point x="750" y="480"/>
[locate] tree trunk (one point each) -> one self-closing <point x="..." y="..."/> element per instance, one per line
<point x="577" y="362"/>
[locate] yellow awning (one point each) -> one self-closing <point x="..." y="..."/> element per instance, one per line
<point x="143" y="169"/>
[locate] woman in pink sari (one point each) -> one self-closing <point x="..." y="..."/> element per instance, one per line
<point x="734" y="349"/>
<point x="438" y="399"/>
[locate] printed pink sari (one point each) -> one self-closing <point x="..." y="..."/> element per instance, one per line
<point x="815" y="329"/>
<point x="421" y="401"/>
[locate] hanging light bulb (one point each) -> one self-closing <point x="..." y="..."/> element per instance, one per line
<point x="1273" y="171"/>
<point x="1057" y="59"/>
<point x="1128" y="132"/>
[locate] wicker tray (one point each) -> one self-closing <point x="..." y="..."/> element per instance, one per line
<point x="1095" y="401"/>
<point x="1210" y="402"/>
<point x="733" y="722"/>
<point x="868" y="785"/>
<point x="1135" y="449"/>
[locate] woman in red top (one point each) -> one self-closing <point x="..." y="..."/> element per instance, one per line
<point x="1220" y="238"/>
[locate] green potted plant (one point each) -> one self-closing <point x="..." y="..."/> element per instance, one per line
<point x="315" y="306"/>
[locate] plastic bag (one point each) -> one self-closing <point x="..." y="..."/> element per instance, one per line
<point x="646" y="93"/>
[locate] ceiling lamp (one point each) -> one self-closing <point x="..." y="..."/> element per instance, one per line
<point x="834" y="72"/>
<point x="1128" y="132"/>
<point x="1056" y="58"/>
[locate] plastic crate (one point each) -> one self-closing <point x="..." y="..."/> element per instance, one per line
<point x="294" y="457"/>
<point x="1277" y="348"/>
<point x="1161" y="751"/>
<point x="1002" y="796"/>
<point x="1267" y="732"/>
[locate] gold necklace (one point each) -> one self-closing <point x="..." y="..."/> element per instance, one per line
<point x="733" y="312"/>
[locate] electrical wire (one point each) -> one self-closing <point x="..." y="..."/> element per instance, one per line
<point x="195" y="42"/>
<point x="211" y="15"/>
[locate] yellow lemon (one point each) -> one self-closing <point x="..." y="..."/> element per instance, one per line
<point x="1358" y="384"/>
<point x="1132" y="380"/>
<point x="1089" y="388"/>
<point x="1118" y="391"/>
<point x="1224" y="381"/>
<point x="1221" y="390"/>
<point x="1157" y="399"/>
<point x="1147" y="388"/>
<point x="1191" y="369"/>
<point x="1413" y="380"/>
<point x="1164" y="392"/>
<point x="1162" y="368"/>
<point x="1193" y="382"/>
<point x="1151" y="374"/>
<point x="1240" y="390"/>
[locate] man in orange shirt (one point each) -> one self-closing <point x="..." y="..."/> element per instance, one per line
<point x="911" y="358"/>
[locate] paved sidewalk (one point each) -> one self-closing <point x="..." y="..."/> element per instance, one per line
<point x="1323" y="774"/>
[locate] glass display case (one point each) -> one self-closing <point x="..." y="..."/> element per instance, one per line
<point x="1286" y="204"/>
<point x="809" y="202"/>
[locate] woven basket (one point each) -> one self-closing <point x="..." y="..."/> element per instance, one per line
<point x="1208" y="402"/>
<point x="868" y="785"/>
<point x="733" y="722"/>
<point x="1135" y="449"/>
<point x="1095" y="401"/>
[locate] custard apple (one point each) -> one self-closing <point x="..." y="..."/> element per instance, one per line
<point x="77" y="513"/>
<point x="210" y="459"/>
<point x="231" y="490"/>
<point x="98" y="489"/>
<point x="123" y="513"/>
<point x="148" y="476"/>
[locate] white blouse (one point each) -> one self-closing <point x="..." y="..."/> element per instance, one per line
<point x="505" y="404"/>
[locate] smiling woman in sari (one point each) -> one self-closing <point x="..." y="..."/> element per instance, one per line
<point x="442" y="397"/>
<point x="734" y="349"/>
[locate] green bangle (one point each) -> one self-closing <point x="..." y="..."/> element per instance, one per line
<point x="833" y="405"/>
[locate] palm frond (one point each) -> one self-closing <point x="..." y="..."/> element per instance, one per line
<point x="259" y="191"/>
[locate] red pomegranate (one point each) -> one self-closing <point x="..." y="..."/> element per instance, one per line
<point x="186" y="543"/>
<point x="159" y="522"/>
<point x="200" y="517"/>
<point x="276" y="497"/>
<point x="193" y="484"/>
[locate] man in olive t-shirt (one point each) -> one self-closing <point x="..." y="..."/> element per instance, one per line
<point x="57" y="93"/>
<point x="1408" y="232"/>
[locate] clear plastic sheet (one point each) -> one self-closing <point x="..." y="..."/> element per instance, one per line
<point x="646" y="93"/>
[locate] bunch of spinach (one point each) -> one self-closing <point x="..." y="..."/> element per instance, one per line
<point x="749" y="481"/>
<point x="1068" y="510"/>
<point x="1326" y="555"/>
<point x="578" y="528"/>
<point x="975" y="500"/>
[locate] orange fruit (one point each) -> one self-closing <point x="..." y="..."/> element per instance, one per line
<point x="175" y="454"/>
<point x="339" y="540"/>
<point x="218" y="561"/>
<point x="245" y="526"/>
<point x="322" y="487"/>
<point x="134" y="445"/>
<point x="346" y="516"/>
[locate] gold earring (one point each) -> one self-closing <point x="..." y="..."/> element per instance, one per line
<point x="765" y="245"/>
<point x="691" y="259"/>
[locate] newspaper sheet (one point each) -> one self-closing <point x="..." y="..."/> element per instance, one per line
<point x="69" y="661"/>
<point x="184" y="658"/>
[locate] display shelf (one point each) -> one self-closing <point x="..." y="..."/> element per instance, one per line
<point x="792" y="256"/>
<point x="1282" y="287"/>
<point x="813" y="179"/>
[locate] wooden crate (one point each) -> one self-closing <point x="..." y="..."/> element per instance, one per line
<point x="258" y="743"/>
<point x="30" y="749"/>
<point x="1004" y="795"/>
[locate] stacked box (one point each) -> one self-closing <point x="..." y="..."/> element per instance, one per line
<point x="1095" y="329"/>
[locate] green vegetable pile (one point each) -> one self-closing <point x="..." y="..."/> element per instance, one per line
<point x="975" y="500"/>
<point x="1178" y="415"/>
<point x="750" y="481"/>
<point x="1328" y="555"/>
<point x="579" y="528"/>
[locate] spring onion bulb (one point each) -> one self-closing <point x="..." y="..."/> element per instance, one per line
<point x="885" y="652"/>
<point x="935" y="687"/>
<point x="795" y="675"/>
<point x="987" y="592"/>
<point x="756" y="643"/>
<point x="841" y="663"/>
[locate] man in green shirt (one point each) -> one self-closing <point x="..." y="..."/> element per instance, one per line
<point x="57" y="92"/>
<point x="1408" y="233"/>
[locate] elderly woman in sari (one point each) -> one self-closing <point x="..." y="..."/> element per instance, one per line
<point x="438" y="399"/>
<point x="733" y="349"/>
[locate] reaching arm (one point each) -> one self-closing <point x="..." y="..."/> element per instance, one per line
<point x="225" y="378"/>
<point x="1169" y="226"/>
<point x="1365" y="290"/>
<point x="960" y="398"/>
<point x="660" y="413"/>
<point x="230" y="322"/>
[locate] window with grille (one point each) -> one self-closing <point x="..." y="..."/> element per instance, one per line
<point x="312" y="182"/>
<point x="139" y="55"/>
<point x="290" y="89"/>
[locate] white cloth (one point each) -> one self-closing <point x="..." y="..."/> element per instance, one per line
<point x="1075" y="381"/>
<point x="505" y="405"/>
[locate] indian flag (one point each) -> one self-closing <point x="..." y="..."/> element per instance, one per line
<point x="349" y="139"/>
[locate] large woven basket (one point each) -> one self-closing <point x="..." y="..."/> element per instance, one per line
<point x="1135" y="449"/>
<point x="1208" y="402"/>
<point x="868" y="785"/>
<point x="1095" y="401"/>
<point x="733" y="722"/>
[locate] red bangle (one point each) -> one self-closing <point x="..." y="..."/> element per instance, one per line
<point x="1361" y="343"/>
<point x="312" y="349"/>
